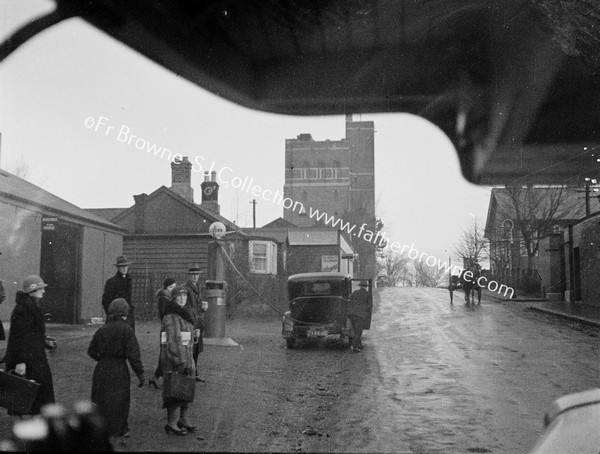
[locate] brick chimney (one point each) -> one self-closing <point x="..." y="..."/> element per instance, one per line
<point x="210" y="192"/>
<point x="139" y="210"/>
<point x="181" y="178"/>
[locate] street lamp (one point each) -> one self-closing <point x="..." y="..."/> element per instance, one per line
<point x="511" y="225"/>
<point x="450" y="276"/>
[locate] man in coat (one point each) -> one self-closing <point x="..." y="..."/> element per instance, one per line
<point x="197" y="307"/>
<point x="359" y="308"/>
<point x="119" y="286"/>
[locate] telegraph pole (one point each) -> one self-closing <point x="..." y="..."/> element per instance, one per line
<point x="253" y="213"/>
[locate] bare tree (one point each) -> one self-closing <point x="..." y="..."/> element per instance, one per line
<point x="535" y="211"/>
<point x="20" y="168"/>
<point x="395" y="267"/>
<point x="425" y="275"/>
<point x="472" y="246"/>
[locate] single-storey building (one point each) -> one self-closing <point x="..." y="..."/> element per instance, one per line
<point x="72" y="249"/>
<point x="165" y="231"/>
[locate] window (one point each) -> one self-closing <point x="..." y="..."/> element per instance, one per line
<point x="317" y="288"/>
<point x="263" y="257"/>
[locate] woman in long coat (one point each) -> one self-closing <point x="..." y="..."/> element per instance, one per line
<point x="27" y="341"/>
<point x="112" y="346"/>
<point x="176" y="355"/>
<point x="163" y="296"/>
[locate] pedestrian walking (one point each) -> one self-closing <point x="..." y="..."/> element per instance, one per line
<point x="358" y="310"/>
<point x="163" y="296"/>
<point x="2" y="298"/>
<point x="197" y="307"/>
<point x="176" y="355"/>
<point x="27" y="341"/>
<point x="113" y="345"/>
<point x="119" y="286"/>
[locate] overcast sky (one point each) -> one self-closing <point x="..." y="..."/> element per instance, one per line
<point x="72" y="72"/>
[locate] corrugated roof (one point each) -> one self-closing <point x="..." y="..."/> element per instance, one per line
<point x="106" y="213"/>
<point x="18" y="189"/>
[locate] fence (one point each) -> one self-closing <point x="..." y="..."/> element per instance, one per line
<point x="241" y="299"/>
<point x="144" y="288"/>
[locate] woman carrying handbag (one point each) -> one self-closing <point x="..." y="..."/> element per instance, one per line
<point x="27" y="342"/>
<point x="176" y="357"/>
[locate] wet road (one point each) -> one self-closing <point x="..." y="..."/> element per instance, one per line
<point x="454" y="379"/>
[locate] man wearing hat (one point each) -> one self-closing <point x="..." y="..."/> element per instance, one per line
<point x="197" y="307"/>
<point x="358" y="310"/>
<point x="119" y="286"/>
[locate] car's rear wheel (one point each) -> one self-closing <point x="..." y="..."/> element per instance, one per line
<point x="290" y="342"/>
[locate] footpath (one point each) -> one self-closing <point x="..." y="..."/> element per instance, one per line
<point x="579" y="312"/>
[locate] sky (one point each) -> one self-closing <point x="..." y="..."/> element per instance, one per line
<point x="66" y="94"/>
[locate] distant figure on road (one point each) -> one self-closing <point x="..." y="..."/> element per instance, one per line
<point x="112" y="346"/>
<point x="119" y="286"/>
<point x="2" y="298"/>
<point x="358" y="311"/>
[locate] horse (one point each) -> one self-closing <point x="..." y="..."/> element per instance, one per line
<point x="470" y="285"/>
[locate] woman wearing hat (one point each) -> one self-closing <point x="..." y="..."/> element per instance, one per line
<point x="112" y="346"/>
<point x="163" y="296"/>
<point x="27" y="341"/>
<point x="176" y="355"/>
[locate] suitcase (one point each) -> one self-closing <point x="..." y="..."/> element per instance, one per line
<point x="17" y="393"/>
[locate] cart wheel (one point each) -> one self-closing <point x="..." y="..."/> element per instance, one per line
<point x="290" y="342"/>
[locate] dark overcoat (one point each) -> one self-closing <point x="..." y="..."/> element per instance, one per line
<point x="163" y="296"/>
<point x="2" y="298"/>
<point x="360" y="303"/>
<point x="27" y="344"/>
<point x="119" y="286"/>
<point x="112" y="346"/>
<point x="194" y="304"/>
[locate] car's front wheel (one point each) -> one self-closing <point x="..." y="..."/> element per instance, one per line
<point x="290" y="342"/>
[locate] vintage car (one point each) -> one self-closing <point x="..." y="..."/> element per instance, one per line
<point x="571" y="425"/>
<point x="318" y="304"/>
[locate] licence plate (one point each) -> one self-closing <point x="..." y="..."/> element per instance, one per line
<point x="319" y="332"/>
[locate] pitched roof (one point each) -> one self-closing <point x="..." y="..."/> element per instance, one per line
<point x="279" y="235"/>
<point x="18" y="189"/>
<point x="279" y="223"/>
<point x="572" y="205"/>
<point x="193" y="206"/>
<point x="106" y="213"/>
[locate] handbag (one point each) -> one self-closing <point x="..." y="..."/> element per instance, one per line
<point x="179" y="386"/>
<point x="17" y="392"/>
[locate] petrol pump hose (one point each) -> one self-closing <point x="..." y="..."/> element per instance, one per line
<point x="277" y="310"/>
